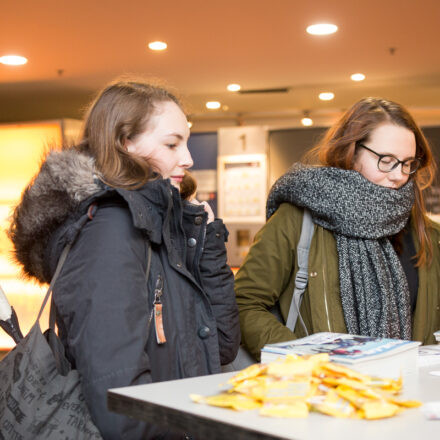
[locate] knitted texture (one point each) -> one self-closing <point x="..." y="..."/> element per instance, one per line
<point x="373" y="287"/>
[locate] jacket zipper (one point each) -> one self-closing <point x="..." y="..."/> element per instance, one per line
<point x="324" y="280"/>
<point x="201" y="249"/>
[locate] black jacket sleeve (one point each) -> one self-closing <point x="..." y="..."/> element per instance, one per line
<point x="101" y="298"/>
<point x="218" y="282"/>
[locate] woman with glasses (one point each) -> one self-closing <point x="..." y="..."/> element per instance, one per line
<point x="374" y="262"/>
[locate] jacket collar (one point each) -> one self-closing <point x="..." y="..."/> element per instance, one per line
<point x="149" y="206"/>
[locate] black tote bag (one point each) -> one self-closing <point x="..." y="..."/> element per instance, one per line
<point x="40" y="394"/>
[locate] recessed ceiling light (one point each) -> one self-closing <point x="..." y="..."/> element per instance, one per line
<point x="157" y="45"/>
<point x="13" y="60"/>
<point x="213" y="105"/>
<point x="306" y="121"/>
<point x="190" y="124"/>
<point x="326" y="96"/>
<point x="234" y="87"/>
<point x="357" y="77"/>
<point x="322" y="29"/>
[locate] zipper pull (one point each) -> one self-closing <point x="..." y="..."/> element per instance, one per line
<point x="158" y="290"/>
<point x="158" y="311"/>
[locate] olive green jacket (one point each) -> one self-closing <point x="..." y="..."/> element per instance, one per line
<point x="266" y="276"/>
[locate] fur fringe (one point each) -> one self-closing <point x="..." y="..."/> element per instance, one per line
<point x="66" y="178"/>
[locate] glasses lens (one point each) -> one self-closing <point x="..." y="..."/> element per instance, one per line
<point x="410" y="166"/>
<point x="387" y="163"/>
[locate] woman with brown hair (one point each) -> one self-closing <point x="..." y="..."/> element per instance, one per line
<point x="374" y="262"/>
<point x="145" y="294"/>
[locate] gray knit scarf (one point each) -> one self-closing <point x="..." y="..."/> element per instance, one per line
<point x="373" y="286"/>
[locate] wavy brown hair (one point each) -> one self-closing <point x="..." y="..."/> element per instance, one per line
<point x="337" y="148"/>
<point x="188" y="186"/>
<point x="119" y="113"/>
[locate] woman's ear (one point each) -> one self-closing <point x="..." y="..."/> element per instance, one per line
<point x="129" y="146"/>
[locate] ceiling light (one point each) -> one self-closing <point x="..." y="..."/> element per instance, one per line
<point x="357" y="77"/>
<point x="157" y="45"/>
<point x="213" y="105"/>
<point x="322" y="29"/>
<point x="190" y="124"/>
<point x="326" y="96"/>
<point x="13" y="60"/>
<point x="307" y="121"/>
<point x="234" y="87"/>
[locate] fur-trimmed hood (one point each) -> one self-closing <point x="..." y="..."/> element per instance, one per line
<point x="66" y="178"/>
<point x="60" y="194"/>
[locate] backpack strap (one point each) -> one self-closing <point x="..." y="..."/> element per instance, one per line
<point x="302" y="276"/>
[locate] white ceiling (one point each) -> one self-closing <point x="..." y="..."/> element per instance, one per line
<point x="256" y="43"/>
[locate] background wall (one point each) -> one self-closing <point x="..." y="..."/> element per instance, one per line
<point x="432" y="197"/>
<point x="203" y="149"/>
<point x="288" y="146"/>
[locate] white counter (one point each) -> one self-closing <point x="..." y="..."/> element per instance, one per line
<point x="168" y="403"/>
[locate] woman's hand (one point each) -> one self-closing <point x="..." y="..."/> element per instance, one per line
<point x="206" y="207"/>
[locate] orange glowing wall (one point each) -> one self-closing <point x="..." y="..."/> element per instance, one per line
<point x="22" y="147"/>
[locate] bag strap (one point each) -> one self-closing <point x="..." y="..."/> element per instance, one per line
<point x="52" y="283"/>
<point x="91" y="211"/>
<point x="302" y="276"/>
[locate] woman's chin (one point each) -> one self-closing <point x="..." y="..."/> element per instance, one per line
<point x="175" y="183"/>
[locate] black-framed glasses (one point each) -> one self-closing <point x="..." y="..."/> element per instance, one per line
<point x="387" y="162"/>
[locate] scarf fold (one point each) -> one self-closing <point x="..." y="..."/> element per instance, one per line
<point x="362" y="215"/>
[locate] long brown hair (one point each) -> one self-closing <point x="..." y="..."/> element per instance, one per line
<point x="188" y="186"/>
<point x="337" y="148"/>
<point x="121" y="112"/>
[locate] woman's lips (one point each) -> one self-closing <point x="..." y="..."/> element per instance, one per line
<point x="177" y="178"/>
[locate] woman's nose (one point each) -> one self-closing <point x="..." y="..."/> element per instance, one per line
<point x="397" y="175"/>
<point x="186" y="160"/>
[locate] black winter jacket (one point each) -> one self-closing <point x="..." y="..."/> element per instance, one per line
<point x="104" y="300"/>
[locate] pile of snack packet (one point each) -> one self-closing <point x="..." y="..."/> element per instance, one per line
<point x="294" y="385"/>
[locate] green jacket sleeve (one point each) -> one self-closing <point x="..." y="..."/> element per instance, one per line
<point x="264" y="275"/>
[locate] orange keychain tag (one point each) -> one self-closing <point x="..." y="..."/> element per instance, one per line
<point x="158" y="323"/>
